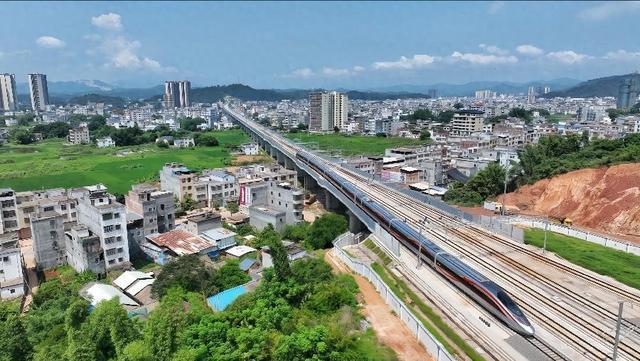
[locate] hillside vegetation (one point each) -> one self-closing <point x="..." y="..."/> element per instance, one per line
<point x="600" y="87"/>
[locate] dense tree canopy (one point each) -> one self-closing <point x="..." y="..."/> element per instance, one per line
<point x="325" y="229"/>
<point x="489" y="182"/>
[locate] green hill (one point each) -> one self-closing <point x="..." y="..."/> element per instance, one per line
<point x="600" y="87"/>
<point x="97" y="98"/>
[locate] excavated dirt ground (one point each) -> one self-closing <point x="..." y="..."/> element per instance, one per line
<point x="603" y="199"/>
<point x="389" y="329"/>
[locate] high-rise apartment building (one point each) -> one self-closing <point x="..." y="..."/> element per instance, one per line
<point x="39" y="92"/>
<point x="628" y="92"/>
<point x="531" y="95"/>
<point x="485" y="94"/>
<point x="327" y="111"/>
<point x="177" y="94"/>
<point x="8" y="93"/>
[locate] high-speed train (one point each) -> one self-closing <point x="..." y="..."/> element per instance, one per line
<point x="484" y="291"/>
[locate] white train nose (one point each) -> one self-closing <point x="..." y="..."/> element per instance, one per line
<point x="528" y="330"/>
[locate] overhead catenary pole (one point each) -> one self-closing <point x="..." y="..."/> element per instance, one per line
<point x="617" y="340"/>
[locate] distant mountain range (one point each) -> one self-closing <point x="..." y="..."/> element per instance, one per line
<point x="81" y="91"/>
<point x="468" y="89"/>
<point x="600" y="87"/>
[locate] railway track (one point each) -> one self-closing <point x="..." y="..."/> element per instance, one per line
<point x="468" y="234"/>
<point x="581" y="344"/>
<point x="546" y="349"/>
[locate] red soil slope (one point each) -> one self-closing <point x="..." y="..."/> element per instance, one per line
<point x="603" y="199"/>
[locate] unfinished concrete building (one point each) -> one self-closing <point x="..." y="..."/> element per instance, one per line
<point x="84" y="250"/>
<point x="47" y="232"/>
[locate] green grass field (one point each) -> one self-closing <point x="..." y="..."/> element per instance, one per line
<point x="351" y="144"/>
<point x="54" y="164"/>
<point x="622" y="266"/>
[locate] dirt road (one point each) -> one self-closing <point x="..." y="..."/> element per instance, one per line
<point x="389" y="329"/>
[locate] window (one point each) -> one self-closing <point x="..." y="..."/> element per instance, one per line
<point x="108" y="228"/>
<point x="112" y="261"/>
<point x="116" y="215"/>
<point x="120" y="250"/>
<point x="5" y="259"/>
<point x="48" y="209"/>
<point x="118" y="226"/>
<point x="162" y="207"/>
<point x="111" y="252"/>
<point x="63" y="207"/>
<point x="73" y="205"/>
<point x="107" y="216"/>
<point x="13" y="290"/>
<point x="120" y="259"/>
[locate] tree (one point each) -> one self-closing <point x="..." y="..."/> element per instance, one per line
<point x="191" y="124"/>
<point x="325" y="229"/>
<point x="188" y="272"/>
<point x="207" y="139"/>
<point x="489" y="182"/>
<point x="421" y="114"/>
<point x="458" y="105"/>
<point x="445" y="117"/>
<point x="14" y="343"/>
<point x="425" y="134"/>
<point x="188" y="204"/>
<point x="296" y="232"/>
<point x="233" y="207"/>
<point x="230" y="275"/>
<point x="280" y="259"/>
<point x="22" y="136"/>
<point x="52" y="130"/>
<point x="336" y="129"/>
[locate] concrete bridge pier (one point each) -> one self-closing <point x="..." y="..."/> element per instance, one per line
<point x="355" y="224"/>
<point x="289" y="164"/>
<point x="280" y="157"/>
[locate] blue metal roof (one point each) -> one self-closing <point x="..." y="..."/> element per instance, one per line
<point x="246" y="263"/>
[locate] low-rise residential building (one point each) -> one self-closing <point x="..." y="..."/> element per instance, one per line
<point x="84" y="250"/>
<point x="161" y="248"/>
<point x="8" y="211"/>
<point x="201" y="222"/>
<point x="47" y="232"/>
<point x="106" y="218"/>
<point x="156" y="207"/>
<point x="183" y="183"/>
<point x="79" y="135"/>
<point x="12" y="283"/>
<point x="272" y="202"/>
<point x="105" y="142"/>
<point x="221" y="237"/>
<point x="467" y="122"/>
<point x="260" y="217"/>
<point x="184" y="143"/>
<point x="250" y="149"/>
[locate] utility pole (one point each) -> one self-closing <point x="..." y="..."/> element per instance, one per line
<point x="617" y="341"/>
<point x="546" y="225"/>
<point x="504" y="193"/>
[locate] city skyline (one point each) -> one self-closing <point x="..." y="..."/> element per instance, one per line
<point x="350" y="45"/>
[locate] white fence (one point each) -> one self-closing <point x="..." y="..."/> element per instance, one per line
<point x="587" y="236"/>
<point x="416" y="327"/>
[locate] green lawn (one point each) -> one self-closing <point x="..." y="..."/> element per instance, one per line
<point x="53" y="164"/>
<point x="351" y="144"/>
<point x="623" y="266"/>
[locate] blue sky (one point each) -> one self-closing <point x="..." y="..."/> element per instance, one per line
<point x="319" y="44"/>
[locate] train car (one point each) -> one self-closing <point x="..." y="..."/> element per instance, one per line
<point x="482" y="290"/>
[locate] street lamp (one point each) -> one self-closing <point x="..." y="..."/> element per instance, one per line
<point x="617" y="340"/>
<point x="546" y="225"/>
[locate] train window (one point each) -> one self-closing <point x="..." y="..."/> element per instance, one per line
<point x="509" y="304"/>
<point x="481" y="294"/>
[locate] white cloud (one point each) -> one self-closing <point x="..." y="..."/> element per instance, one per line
<point x="608" y="10"/>
<point x="110" y="21"/>
<point x="567" y="56"/>
<point x="416" y="62"/>
<point x="335" y="71"/>
<point x="492" y="49"/>
<point x="528" y="49"/>
<point x="301" y="73"/>
<point x="50" y="42"/>
<point x="121" y="53"/>
<point x="483" y="59"/>
<point x="495" y="7"/>
<point x="358" y="68"/>
<point x="622" y="55"/>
